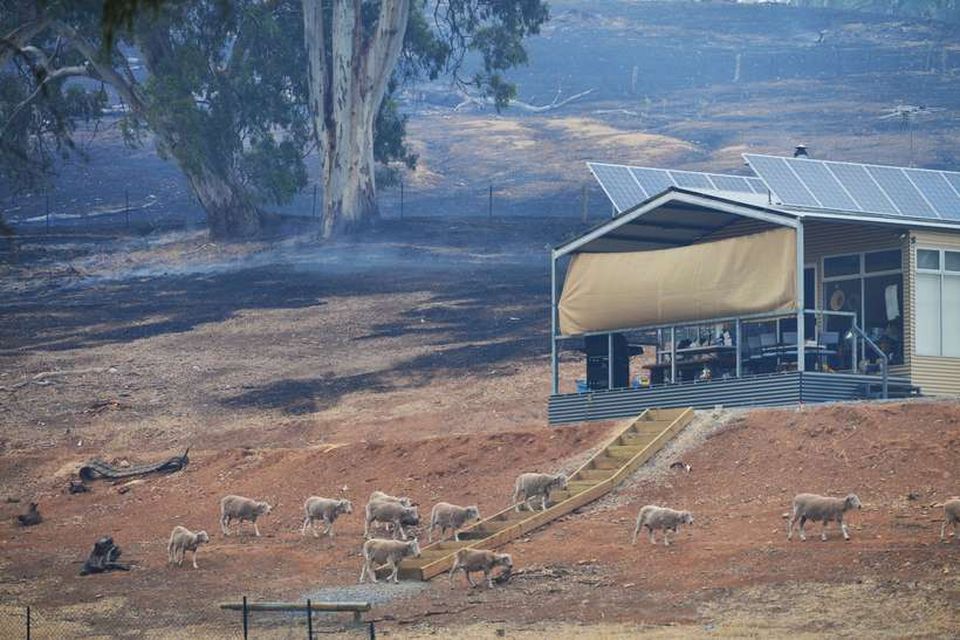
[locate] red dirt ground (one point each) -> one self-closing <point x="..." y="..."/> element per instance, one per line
<point x="445" y="401"/>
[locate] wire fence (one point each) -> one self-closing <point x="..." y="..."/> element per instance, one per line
<point x="246" y="621"/>
<point x="140" y="208"/>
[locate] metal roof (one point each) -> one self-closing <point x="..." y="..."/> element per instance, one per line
<point x="674" y="218"/>
<point x="679" y="216"/>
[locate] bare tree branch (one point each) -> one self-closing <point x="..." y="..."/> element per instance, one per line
<point x="105" y="71"/>
<point x="486" y="101"/>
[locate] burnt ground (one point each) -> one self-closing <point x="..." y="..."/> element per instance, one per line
<point x="416" y="362"/>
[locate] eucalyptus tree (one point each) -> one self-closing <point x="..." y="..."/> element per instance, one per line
<point x="224" y="92"/>
<point x="357" y="50"/>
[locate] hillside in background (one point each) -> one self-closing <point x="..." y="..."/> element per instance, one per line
<point x="667" y="84"/>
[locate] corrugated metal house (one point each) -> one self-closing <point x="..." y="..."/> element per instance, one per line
<point x="810" y="281"/>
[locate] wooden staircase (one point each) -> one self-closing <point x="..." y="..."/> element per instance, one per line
<point x="630" y="448"/>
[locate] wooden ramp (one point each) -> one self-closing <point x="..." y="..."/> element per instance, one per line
<point x="632" y="446"/>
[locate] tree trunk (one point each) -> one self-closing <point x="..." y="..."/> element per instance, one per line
<point x="350" y="189"/>
<point x="230" y="214"/>
<point x="347" y="82"/>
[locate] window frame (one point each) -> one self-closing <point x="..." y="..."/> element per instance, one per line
<point x="862" y="274"/>
<point x="942" y="273"/>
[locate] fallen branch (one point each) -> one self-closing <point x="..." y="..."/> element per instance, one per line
<point x="486" y="101"/>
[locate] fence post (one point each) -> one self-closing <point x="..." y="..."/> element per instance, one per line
<point x="28" y="623"/>
<point x="373" y="632"/>
<point x="309" y="620"/>
<point x="313" y="207"/>
<point x="245" y="617"/>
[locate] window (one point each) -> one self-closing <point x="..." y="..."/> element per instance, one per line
<point x="938" y="302"/>
<point x="841" y="266"/>
<point x="882" y="261"/>
<point x="951" y="261"/>
<point x="869" y="285"/>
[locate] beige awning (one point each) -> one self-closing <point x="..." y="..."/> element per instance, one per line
<point x="740" y="276"/>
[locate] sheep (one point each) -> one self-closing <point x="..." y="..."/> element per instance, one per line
<point x="653" y="517"/>
<point x="449" y="516"/>
<point x="378" y="553"/>
<point x="183" y="540"/>
<point x="531" y="485"/>
<point x="326" y="509"/>
<point x="809" y="506"/>
<point x="31" y="517"/>
<point x="393" y="513"/>
<point x="472" y="560"/>
<point x="380" y="496"/>
<point x="239" y="508"/>
<point x="951" y="516"/>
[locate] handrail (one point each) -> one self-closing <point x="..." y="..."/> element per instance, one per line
<point x="756" y="317"/>
<point x="883" y="356"/>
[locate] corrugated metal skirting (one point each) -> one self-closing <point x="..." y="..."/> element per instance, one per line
<point x="757" y="391"/>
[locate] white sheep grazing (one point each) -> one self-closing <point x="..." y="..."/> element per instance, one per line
<point x="380" y="496"/>
<point x="378" y="553"/>
<point x="392" y="513"/>
<point x="239" y="508"/>
<point x="473" y="560"/>
<point x="951" y="516"/>
<point x="533" y="485"/>
<point x="183" y="540"/>
<point x="449" y="516"/>
<point x="809" y="506"/>
<point x="653" y="517"/>
<point x="326" y="509"/>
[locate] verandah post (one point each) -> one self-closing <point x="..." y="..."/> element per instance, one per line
<point x="554" y="365"/>
<point x="673" y="355"/>
<point x="737" y="339"/>
<point x="801" y="303"/>
<point x="609" y="361"/>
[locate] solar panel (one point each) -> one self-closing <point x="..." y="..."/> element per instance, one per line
<point x="934" y="185"/>
<point x="782" y="180"/>
<point x="904" y="194"/>
<point x="758" y="186"/>
<point x="863" y="188"/>
<point x="866" y="188"/>
<point x="619" y="185"/>
<point x="692" y="180"/>
<point x="628" y="186"/>
<point x="829" y="192"/>
<point x="653" y="181"/>
<point x="732" y="183"/>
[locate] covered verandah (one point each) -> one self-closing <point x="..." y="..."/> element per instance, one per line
<point x="698" y="299"/>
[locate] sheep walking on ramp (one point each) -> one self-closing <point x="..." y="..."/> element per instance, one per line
<point x="809" y="506"/>
<point x="450" y="516"/>
<point x="530" y="486"/>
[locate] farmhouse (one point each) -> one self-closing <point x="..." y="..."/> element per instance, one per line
<point x="809" y="281"/>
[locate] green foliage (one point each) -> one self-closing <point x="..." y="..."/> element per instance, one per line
<point x="493" y="31"/>
<point x="229" y="81"/>
<point x="39" y="115"/>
